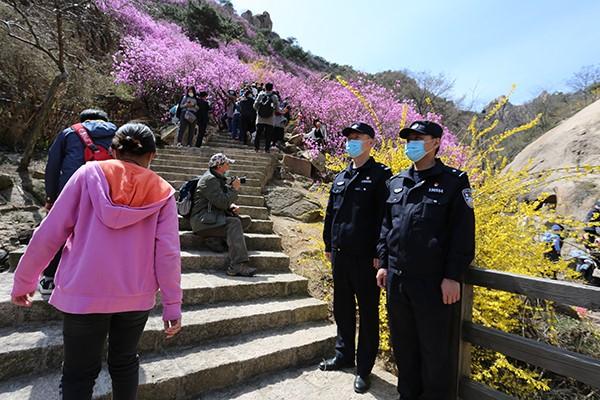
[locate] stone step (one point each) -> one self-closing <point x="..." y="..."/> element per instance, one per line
<point x="39" y="347"/>
<point x="229" y="144"/>
<point x="254" y="241"/>
<point x="173" y="176"/>
<point x="263" y="261"/>
<point x="242" y="154"/>
<point x="245" y="190"/>
<point x="198" y="288"/>
<point x="248" y="172"/>
<point x="257" y="226"/>
<point x="255" y="212"/>
<point x="227" y="147"/>
<point x="202" y="165"/>
<point x="244" y="200"/>
<point x="179" y="374"/>
<point x="202" y="161"/>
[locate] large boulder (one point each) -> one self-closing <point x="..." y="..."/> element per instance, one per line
<point x="297" y="165"/>
<point x="262" y="22"/>
<point x="575" y="142"/>
<point x="290" y="202"/>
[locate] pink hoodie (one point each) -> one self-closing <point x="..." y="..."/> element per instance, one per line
<point x="119" y="223"/>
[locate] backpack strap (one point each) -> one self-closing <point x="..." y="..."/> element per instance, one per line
<point x="83" y="135"/>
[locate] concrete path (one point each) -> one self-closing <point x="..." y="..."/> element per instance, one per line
<point x="309" y="384"/>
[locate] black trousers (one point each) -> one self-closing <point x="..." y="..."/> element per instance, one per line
<point x="84" y="337"/>
<point x="245" y="128"/>
<point x="421" y="332"/>
<point x="266" y="131"/>
<point x="354" y="281"/>
<point x="201" y="132"/>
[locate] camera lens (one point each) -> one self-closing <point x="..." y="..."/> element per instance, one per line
<point x="242" y="179"/>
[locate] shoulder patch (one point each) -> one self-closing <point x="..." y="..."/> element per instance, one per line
<point x="454" y="171"/>
<point x="467" y="195"/>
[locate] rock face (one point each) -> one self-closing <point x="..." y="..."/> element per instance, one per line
<point x="574" y="142"/>
<point x="289" y="202"/>
<point x="298" y="165"/>
<point x="261" y="22"/>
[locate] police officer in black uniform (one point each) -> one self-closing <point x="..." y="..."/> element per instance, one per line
<point x="426" y="244"/>
<point x="351" y="231"/>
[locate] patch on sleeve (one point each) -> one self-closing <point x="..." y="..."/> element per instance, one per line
<point x="468" y="196"/>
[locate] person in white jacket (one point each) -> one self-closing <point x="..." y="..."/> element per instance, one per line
<point x="318" y="133"/>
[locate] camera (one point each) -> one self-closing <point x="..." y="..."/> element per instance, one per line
<point x="233" y="178"/>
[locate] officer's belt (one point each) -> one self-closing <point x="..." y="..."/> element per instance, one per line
<point x="406" y="274"/>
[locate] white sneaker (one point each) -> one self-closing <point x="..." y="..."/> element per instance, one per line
<point x="179" y="145"/>
<point x="45" y="287"/>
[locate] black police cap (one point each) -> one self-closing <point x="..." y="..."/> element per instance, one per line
<point x="423" y="128"/>
<point x="359" y="127"/>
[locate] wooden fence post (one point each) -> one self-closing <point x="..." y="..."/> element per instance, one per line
<point x="461" y="350"/>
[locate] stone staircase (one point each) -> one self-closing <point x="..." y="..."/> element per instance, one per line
<point x="234" y="328"/>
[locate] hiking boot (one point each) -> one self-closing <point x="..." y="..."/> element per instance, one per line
<point x="215" y="244"/>
<point x="241" y="269"/>
<point x="45" y="287"/>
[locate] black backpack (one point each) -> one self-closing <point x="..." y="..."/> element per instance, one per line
<point x="246" y="108"/>
<point x="185" y="202"/>
<point x="266" y="108"/>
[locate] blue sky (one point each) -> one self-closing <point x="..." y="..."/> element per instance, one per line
<point x="485" y="46"/>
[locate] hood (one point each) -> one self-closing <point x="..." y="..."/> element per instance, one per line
<point x="124" y="193"/>
<point x="100" y="129"/>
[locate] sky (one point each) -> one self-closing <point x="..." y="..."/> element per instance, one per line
<point x="484" y="46"/>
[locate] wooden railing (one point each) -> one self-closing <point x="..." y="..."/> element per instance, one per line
<point x="563" y="362"/>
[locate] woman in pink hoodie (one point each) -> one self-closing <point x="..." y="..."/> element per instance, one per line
<point x="119" y="222"/>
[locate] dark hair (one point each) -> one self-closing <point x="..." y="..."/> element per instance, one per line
<point x="193" y="89"/>
<point x="134" y="138"/>
<point x="92" y="114"/>
<point x="315" y="121"/>
<point x="269" y="86"/>
<point x="203" y="94"/>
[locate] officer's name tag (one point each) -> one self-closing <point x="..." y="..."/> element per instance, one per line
<point x="436" y="190"/>
<point x="366" y="181"/>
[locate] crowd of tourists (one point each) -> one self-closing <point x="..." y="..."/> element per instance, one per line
<point x="256" y="114"/>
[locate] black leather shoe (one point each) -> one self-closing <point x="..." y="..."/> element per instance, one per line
<point x="361" y="384"/>
<point x="334" y="364"/>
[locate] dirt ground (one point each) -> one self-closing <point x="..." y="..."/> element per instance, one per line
<point x="303" y="243"/>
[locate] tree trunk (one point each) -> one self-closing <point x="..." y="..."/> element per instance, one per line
<point x="34" y="130"/>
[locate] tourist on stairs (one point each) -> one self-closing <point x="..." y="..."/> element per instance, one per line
<point x="109" y="214"/>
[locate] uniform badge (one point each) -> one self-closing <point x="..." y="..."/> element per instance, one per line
<point x="468" y="196"/>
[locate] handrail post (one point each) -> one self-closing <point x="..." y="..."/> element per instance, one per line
<point x="460" y="349"/>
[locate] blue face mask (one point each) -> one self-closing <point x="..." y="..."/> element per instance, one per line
<point x="354" y="148"/>
<point x="415" y="150"/>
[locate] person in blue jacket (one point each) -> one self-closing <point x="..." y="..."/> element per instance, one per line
<point x="65" y="156"/>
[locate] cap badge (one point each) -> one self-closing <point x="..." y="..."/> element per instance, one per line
<point x="397" y="190"/>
